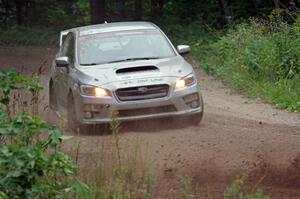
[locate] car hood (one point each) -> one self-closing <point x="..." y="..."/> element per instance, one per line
<point x="113" y="72"/>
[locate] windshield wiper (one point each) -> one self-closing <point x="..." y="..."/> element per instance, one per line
<point x="90" y="64"/>
<point x="134" y="59"/>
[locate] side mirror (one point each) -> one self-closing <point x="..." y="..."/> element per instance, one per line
<point x="183" y="49"/>
<point x="62" y="61"/>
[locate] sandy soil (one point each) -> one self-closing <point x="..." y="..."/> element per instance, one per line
<point x="237" y="135"/>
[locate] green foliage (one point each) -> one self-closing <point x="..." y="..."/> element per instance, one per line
<point x="114" y="173"/>
<point x="82" y="9"/>
<point x="10" y="81"/>
<point x="41" y="20"/>
<point x="186" y="190"/>
<point x="127" y="176"/>
<point x="64" y="15"/>
<point x="260" y="60"/>
<point x="234" y="190"/>
<point x="195" y="33"/>
<point x="31" y="165"/>
<point x="28" y="36"/>
<point x="29" y="172"/>
<point x="258" y="195"/>
<point x="189" y="11"/>
<point x="189" y="189"/>
<point x="81" y="190"/>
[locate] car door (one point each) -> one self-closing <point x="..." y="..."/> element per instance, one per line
<point x="67" y="50"/>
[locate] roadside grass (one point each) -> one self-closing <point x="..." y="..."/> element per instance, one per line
<point x="118" y="169"/>
<point x="132" y="178"/>
<point x="258" y="60"/>
<point x="190" y="189"/>
<point x="31" y="162"/>
<point x="234" y="190"/>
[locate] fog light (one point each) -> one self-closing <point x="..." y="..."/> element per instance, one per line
<point x="87" y="107"/>
<point x="190" y="98"/>
<point x="88" y="115"/>
<point x="194" y="104"/>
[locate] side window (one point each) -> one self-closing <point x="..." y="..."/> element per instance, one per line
<point x="64" y="47"/>
<point x="63" y="38"/>
<point x="68" y="48"/>
<point x="71" y="50"/>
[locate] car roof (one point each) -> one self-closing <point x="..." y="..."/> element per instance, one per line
<point x="109" y="27"/>
<point x="113" y="27"/>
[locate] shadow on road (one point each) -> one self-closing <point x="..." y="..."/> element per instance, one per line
<point x="142" y="126"/>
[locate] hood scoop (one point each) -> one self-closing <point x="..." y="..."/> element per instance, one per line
<point x="136" y="69"/>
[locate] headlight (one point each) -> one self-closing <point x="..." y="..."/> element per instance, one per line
<point x="185" y="82"/>
<point x="94" y="91"/>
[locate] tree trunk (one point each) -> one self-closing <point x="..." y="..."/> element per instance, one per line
<point x="27" y="8"/>
<point x="70" y="4"/>
<point x="276" y="4"/>
<point x="225" y="9"/>
<point x="122" y="8"/>
<point x="292" y="6"/>
<point x="19" y="11"/>
<point x="254" y="2"/>
<point x="153" y="9"/>
<point x="5" y="4"/>
<point x="157" y="8"/>
<point x="138" y="9"/>
<point x="98" y="11"/>
<point x="160" y="7"/>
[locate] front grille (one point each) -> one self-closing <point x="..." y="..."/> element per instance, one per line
<point x="142" y="92"/>
<point x="147" y="111"/>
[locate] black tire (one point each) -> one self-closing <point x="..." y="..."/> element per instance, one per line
<point x="73" y="124"/>
<point x="52" y="97"/>
<point x="196" y="119"/>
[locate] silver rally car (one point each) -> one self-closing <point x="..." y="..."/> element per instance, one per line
<point x="129" y="67"/>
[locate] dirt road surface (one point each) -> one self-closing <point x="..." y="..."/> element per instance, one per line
<point x="236" y="135"/>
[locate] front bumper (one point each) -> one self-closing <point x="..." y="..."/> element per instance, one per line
<point x="94" y="110"/>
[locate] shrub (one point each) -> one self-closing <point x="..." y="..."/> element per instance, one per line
<point x="31" y="165"/>
<point x="260" y="60"/>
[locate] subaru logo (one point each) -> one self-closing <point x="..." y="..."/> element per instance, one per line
<point x="142" y="89"/>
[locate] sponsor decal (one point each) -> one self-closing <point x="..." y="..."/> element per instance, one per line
<point x="143" y="81"/>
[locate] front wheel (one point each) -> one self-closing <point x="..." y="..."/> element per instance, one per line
<point x="196" y="119"/>
<point x="72" y="123"/>
<point x="52" y="97"/>
<point x="75" y="126"/>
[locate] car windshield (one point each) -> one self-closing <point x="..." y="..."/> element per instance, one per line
<point x="103" y="48"/>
